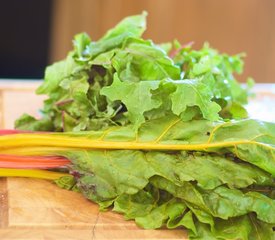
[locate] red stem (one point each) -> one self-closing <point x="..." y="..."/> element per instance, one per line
<point x="32" y="162"/>
<point x="15" y="131"/>
<point x="12" y="131"/>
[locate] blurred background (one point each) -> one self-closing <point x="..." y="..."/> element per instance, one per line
<point x="35" y="33"/>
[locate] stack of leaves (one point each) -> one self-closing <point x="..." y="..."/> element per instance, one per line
<point x="122" y="79"/>
<point x="162" y="142"/>
<point x="217" y="179"/>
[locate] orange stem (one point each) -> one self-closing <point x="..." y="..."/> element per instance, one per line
<point x="37" y="162"/>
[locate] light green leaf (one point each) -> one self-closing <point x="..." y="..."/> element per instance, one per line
<point x="141" y="60"/>
<point x="132" y="26"/>
<point x="27" y="122"/>
<point x="135" y="25"/>
<point x="136" y="205"/>
<point x="137" y="97"/>
<point x="194" y="93"/>
<point x="55" y="74"/>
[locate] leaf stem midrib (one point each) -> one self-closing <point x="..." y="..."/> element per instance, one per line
<point x="24" y="140"/>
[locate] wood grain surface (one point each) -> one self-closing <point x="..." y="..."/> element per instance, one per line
<point x="33" y="209"/>
<point x="38" y="209"/>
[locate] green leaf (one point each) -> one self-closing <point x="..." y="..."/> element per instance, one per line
<point x="137" y="97"/>
<point x="103" y="173"/>
<point x="66" y="182"/>
<point x="234" y="228"/>
<point x="132" y="26"/>
<point x="199" y="174"/>
<point x="221" y="67"/>
<point x="186" y="220"/>
<point x="27" y="122"/>
<point x="203" y="233"/>
<point x="249" y="140"/>
<point x="204" y="65"/>
<point x="55" y="74"/>
<point x="159" y="168"/>
<point x="209" y="92"/>
<point x="194" y="93"/>
<point x="222" y="202"/>
<point x="154" y="219"/>
<point x="136" y="205"/>
<point x="141" y="60"/>
<point x="260" y="230"/>
<point x="135" y="25"/>
<point x="208" y="170"/>
<point x="225" y="203"/>
<point x="81" y="41"/>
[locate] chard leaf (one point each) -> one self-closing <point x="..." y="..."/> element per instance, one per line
<point x="222" y="202"/>
<point x="194" y="93"/>
<point x="260" y="230"/>
<point x="137" y="97"/>
<point x="154" y="219"/>
<point x="245" y="228"/>
<point x="226" y="203"/>
<point x="132" y="26"/>
<point x="187" y="99"/>
<point x="171" y="212"/>
<point x="234" y="228"/>
<point x="55" y="73"/>
<point x="27" y="122"/>
<point x="207" y="64"/>
<point x="141" y="60"/>
<point x="81" y="41"/>
<point x="203" y="88"/>
<point x="209" y="171"/>
<point x="160" y="168"/>
<point x="142" y="205"/>
<point x="214" y="178"/>
<point x="135" y="25"/>
<point x="105" y="172"/>
<point x="177" y="215"/>
<point x="249" y="140"/>
<point x="136" y="205"/>
<point x="203" y="233"/>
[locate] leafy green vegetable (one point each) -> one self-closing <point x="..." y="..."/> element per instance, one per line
<point x="28" y="122"/>
<point x="136" y="97"/>
<point x="188" y="204"/>
<point x="211" y="195"/>
<point x="165" y="146"/>
<point x="122" y="79"/>
<point x="215" y="178"/>
<point x="249" y="140"/>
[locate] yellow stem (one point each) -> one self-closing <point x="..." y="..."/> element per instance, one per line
<point x="35" y="140"/>
<point x="33" y="151"/>
<point x="43" y="174"/>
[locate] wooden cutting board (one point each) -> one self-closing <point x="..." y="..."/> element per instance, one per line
<point x="33" y="209"/>
<point x="37" y="209"/>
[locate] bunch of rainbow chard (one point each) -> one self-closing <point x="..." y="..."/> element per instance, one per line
<point x="155" y="132"/>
